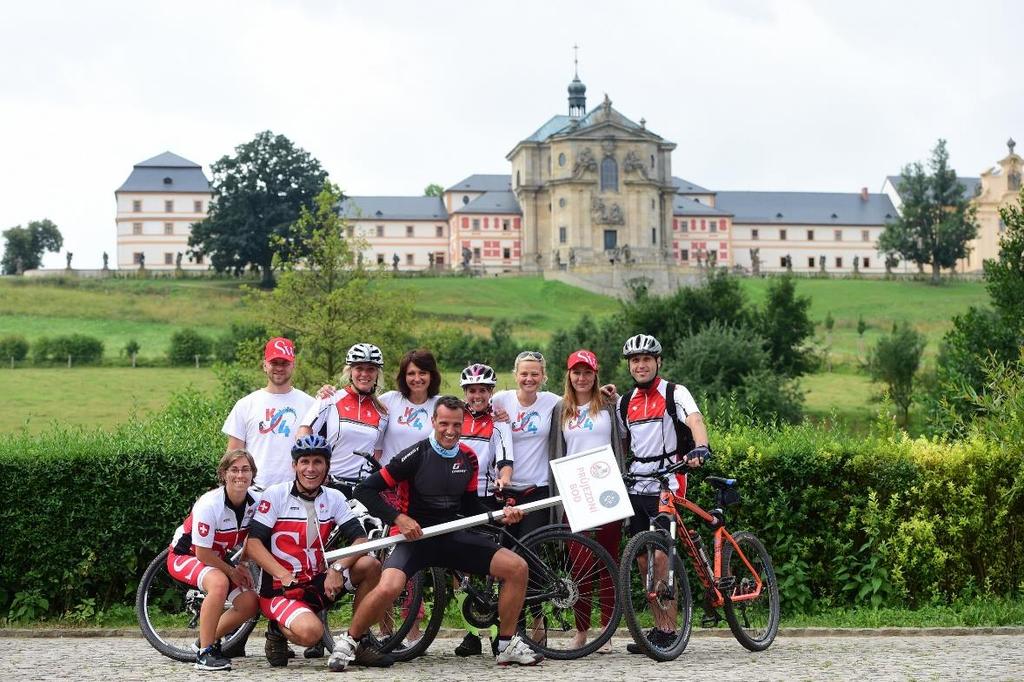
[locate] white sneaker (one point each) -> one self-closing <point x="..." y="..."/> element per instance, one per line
<point x="343" y="654"/>
<point x="519" y="653"/>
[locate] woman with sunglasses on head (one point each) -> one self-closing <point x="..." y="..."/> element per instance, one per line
<point x="584" y="419"/>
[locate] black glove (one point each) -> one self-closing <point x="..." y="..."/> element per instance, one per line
<point x="701" y="453"/>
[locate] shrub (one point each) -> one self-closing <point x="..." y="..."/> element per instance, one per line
<point x="186" y="344"/>
<point x="226" y="347"/>
<point x="13" y="346"/>
<point x="82" y="349"/>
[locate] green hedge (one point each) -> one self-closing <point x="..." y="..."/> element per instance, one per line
<point x="880" y="520"/>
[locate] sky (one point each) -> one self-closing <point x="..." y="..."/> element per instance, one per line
<point x="393" y="96"/>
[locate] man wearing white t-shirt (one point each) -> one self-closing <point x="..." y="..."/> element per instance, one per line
<point x="265" y="421"/>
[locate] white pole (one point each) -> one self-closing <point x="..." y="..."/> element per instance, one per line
<point x="439" y="529"/>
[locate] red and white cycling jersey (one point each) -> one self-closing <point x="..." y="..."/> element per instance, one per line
<point x="297" y="539"/>
<point x="491" y="442"/>
<point x="651" y="432"/>
<point x="350" y="422"/>
<point x="213" y="523"/>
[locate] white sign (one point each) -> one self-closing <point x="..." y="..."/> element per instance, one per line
<point x="591" y="488"/>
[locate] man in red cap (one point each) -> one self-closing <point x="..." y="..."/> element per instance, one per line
<point x="264" y="422"/>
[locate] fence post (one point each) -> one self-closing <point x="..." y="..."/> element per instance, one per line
<point x="69" y="362"/>
<point x="197" y="361"/>
<point x="133" y="359"/>
<point x="12" y="362"/>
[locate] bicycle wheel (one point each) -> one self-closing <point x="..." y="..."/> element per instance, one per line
<point x="658" y="613"/>
<point x="429" y="597"/>
<point x="754" y="623"/>
<point x="574" y="588"/>
<point x="168" y="613"/>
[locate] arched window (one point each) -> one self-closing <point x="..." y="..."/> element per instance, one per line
<point x="609" y="175"/>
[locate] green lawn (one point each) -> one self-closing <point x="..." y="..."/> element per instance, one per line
<point x="91" y="396"/>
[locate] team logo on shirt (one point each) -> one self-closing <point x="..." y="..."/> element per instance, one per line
<point x="526" y="422"/>
<point x="279" y="422"/>
<point x="581" y="422"/>
<point x="204" y="529"/>
<point x="459" y="467"/>
<point x="264" y="506"/>
<point x="414" y="417"/>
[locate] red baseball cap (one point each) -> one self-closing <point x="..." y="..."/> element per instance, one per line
<point x="279" y="348"/>
<point x="583" y="356"/>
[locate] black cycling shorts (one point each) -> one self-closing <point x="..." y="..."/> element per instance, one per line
<point x="460" y="551"/>
<point x="645" y="508"/>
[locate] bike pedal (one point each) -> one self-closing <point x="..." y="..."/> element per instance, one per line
<point x="726" y="583"/>
<point x="710" y="621"/>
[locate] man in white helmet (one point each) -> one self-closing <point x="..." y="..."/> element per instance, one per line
<point x="662" y="425"/>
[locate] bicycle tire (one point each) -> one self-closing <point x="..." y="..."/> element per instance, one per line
<point x="738" y="614"/>
<point x="433" y="596"/>
<point x="634" y="591"/>
<point x="159" y="594"/>
<point x="578" y="564"/>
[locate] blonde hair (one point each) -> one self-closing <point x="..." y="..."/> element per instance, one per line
<point x="531" y="356"/>
<point x="570" y="408"/>
<point x="229" y="458"/>
<point x="346" y="380"/>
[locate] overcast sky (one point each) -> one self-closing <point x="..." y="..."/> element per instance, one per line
<point x="392" y="96"/>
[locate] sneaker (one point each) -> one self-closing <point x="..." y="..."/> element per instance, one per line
<point x="276" y="646"/>
<point x="343" y="654"/>
<point x="519" y="653"/>
<point x="367" y="654"/>
<point x="470" y="646"/>
<point x="659" y="638"/>
<point x="211" y="658"/>
<point x="315" y="651"/>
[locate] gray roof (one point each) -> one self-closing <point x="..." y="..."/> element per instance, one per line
<point x="554" y="124"/>
<point x="807" y="208"/>
<point x="393" y="208"/>
<point x="972" y="186"/>
<point x="563" y="124"/>
<point x="687" y="206"/>
<point x="166" y="172"/>
<point x="479" y="182"/>
<point x="687" y="187"/>
<point x="492" y="202"/>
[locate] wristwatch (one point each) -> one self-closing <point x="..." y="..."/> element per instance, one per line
<point x="338" y="567"/>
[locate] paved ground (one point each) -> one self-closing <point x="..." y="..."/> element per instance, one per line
<point x="971" y="657"/>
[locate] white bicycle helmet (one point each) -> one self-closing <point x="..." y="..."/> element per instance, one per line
<point x="477" y="374"/>
<point x="641" y="344"/>
<point x="364" y="352"/>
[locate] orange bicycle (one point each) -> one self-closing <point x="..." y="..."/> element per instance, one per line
<point x="655" y="588"/>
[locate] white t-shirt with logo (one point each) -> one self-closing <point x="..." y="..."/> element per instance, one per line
<point x="530" y="426"/>
<point x="587" y="431"/>
<point x="408" y="424"/>
<point x="266" y="422"/>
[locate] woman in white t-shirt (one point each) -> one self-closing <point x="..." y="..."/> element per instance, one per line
<point x="582" y="420"/>
<point x="529" y="413"/>
<point x="410" y="408"/>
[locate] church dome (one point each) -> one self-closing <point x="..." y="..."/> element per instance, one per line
<point x="577" y="88"/>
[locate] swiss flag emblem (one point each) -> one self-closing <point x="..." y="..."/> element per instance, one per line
<point x="204" y="529"/>
<point x="264" y="506"/>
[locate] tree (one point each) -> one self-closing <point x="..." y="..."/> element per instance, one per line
<point x="257" y="195"/>
<point x="894" y="361"/>
<point x="326" y="301"/>
<point x="785" y="325"/>
<point x="25" y="246"/>
<point x="937" y="220"/>
<point x="433" y="190"/>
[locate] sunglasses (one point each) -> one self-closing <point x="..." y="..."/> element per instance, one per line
<point x="530" y="355"/>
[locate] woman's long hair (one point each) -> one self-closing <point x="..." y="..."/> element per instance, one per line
<point x="424" y="359"/>
<point x="570" y="409"/>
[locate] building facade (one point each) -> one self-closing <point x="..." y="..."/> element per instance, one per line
<point x="156" y="207"/>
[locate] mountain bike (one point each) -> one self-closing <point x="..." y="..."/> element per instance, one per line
<point x="740" y="580"/>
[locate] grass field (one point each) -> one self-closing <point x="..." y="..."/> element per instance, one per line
<point x="91" y="396"/>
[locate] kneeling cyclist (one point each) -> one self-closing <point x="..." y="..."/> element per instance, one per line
<point x="218" y="522"/>
<point x="286" y="539"/>
<point x="661" y="424"/>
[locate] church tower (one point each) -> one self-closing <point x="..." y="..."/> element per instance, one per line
<point x="577" y="91"/>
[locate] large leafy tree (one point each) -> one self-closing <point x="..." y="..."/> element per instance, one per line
<point x="258" y="195"/>
<point x="937" y="220"/>
<point x="894" y="361"/>
<point x="326" y="301"/>
<point x="785" y="324"/>
<point x="24" y="246"/>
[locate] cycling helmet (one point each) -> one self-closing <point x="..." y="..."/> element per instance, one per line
<point x="364" y="352"/>
<point x="641" y="344"/>
<point x="311" y="444"/>
<point x="478" y="373"/>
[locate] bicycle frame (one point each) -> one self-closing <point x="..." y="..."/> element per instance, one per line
<point x="709" y="574"/>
